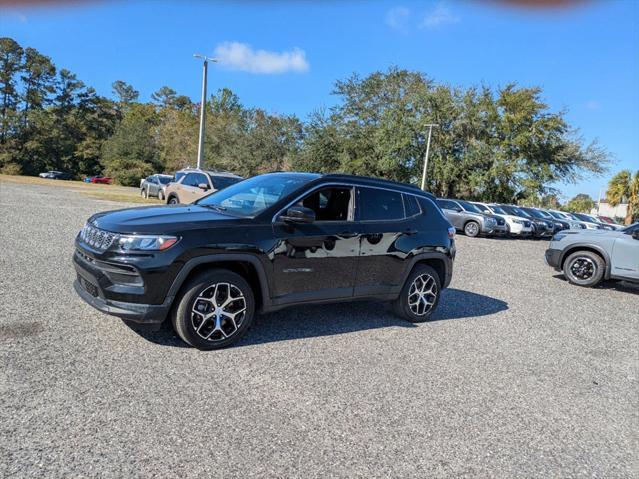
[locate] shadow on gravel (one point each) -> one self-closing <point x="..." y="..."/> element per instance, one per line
<point x="332" y="319"/>
<point x="623" y="286"/>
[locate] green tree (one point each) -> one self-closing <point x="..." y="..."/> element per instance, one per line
<point x="38" y="79"/>
<point x="124" y="92"/>
<point x="10" y="64"/>
<point x="581" y="203"/>
<point x="624" y="187"/>
<point x="131" y="152"/>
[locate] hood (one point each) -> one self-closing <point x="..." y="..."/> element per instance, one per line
<point x="161" y="219"/>
<point x="592" y="233"/>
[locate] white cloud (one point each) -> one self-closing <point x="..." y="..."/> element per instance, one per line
<point x="593" y="105"/>
<point x="242" y="57"/>
<point x="441" y="15"/>
<point x="397" y="18"/>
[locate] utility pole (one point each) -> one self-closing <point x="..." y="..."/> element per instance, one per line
<point x="200" y="146"/>
<point x="599" y="202"/>
<point x="430" y="131"/>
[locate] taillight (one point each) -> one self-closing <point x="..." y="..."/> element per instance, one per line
<point x="451" y="232"/>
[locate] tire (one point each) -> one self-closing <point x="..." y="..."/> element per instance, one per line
<point x="145" y="194"/>
<point x="193" y="326"/>
<point x="173" y="201"/>
<point x="584" y="268"/>
<point x="409" y="305"/>
<point x="160" y="195"/>
<point x="472" y="229"/>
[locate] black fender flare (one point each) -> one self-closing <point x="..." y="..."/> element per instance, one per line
<point x="212" y="259"/>
<point x="584" y="245"/>
<point x="448" y="266"/>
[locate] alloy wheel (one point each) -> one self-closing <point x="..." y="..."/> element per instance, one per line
<point x="422" y="294"/>
<point x="472" y="229"/>
<point x="583" y="268"/>
<point x="218" y="311"/>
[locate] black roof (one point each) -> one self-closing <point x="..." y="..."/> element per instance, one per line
<point x="371" y="181"/>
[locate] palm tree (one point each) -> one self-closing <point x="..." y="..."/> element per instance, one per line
<point x="625" y="187"/>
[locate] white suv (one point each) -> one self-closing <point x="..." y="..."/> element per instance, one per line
<point x="517" y="225"/>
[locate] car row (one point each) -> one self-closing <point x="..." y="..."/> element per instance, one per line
<point x="475" y="218"/>
<point x="187" y="185"/>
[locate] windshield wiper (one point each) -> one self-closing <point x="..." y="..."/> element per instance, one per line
<point x="216" y="207"/>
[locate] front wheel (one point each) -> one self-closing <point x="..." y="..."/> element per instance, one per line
<point x="419" y="296"/>
<point x="173" y="200"/>
<point x="471" y="229"/>
<point x="215" y="310"/>
<point x="161" y="195"/>
<point x="584" y="268"/>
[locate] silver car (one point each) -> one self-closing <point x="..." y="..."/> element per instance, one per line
<point x="155" y="185"/>
<point x="588" y="257"/>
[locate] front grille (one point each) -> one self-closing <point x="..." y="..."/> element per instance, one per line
<point x="96" y="238"/>
<point x="527" y="224"/>
<point x="501" y="222"/>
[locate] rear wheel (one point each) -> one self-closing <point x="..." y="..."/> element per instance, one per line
<point x="161" y="195"/>
<point x="471" y="229"/>
<point x="420" y="295"/>
<point x="584" y="268"/>
<point x="215" y="310"/>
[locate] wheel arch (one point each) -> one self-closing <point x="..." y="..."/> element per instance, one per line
<point x="246" y="265"/>
<point x="598" y="250"/>
<point x="438" y="261"/>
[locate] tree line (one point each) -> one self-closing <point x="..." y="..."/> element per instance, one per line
<point x="492" y="144"/>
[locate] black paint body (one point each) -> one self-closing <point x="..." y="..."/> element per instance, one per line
<point x="288" y="264"/>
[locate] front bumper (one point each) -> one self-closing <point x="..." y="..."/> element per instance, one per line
<point x="553" y="258"/>
<point x="138" y="313"/>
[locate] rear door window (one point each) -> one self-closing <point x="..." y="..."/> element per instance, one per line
<point x="380" y="205"/>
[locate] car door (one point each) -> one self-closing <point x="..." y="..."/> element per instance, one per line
<point x="386" y="239"/>
<point x="625" y="254"/>
<point x="453" y="212"/>
<point x="318" y="260"/>
<point x="153" y="186"/>
<point x="189" y="190"/>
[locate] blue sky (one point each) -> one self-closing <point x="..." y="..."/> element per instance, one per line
<point x="285" y="56"/>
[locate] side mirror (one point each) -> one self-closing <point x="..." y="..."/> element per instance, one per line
<point x="298" y="214"/>
<point x="203" y="186"/>
<point x="487" y="212"/>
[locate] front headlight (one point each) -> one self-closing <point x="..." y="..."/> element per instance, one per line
<point x="558" y="237"/>
<point x="145" y="242"/>
<point x="491" y="221"/>
<point x="519" y="222"/>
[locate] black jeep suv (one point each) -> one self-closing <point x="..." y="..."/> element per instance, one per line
<point x="271" y="241"/>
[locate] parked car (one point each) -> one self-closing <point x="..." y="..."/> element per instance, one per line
<point x="574" y="224"/>
<point x="193" y="184"/>
<point x="540" y="228"/>
<point x="105" y="180"/>
<point x="466" y="217"/>
<point x="558" y="225"/>
<point x="589" y="225"/>
<point x="597" y="221"/>
<point x="155" y="185"/>
<point x="588" y="257"/>
<point x="515" y="225"/>
<point x="271" y="241"/>
<point x="55" y="175"/>
<point x="545" y="227"/>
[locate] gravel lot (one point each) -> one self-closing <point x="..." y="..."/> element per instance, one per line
<point x="519" y="375"/>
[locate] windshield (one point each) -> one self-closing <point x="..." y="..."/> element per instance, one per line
<point x="498" y="209"/>
<point x="252" y="196"/>
<point x="470" y="207"/>
<point x="221" y="182"/>
<point x="545" y="214"/>
<point x="533" y="213"/>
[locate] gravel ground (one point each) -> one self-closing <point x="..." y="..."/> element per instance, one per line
<point x="519" y="375"/>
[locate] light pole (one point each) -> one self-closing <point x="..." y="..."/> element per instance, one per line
<point x="200" y="146"/>
<point x="430" y="131"/>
